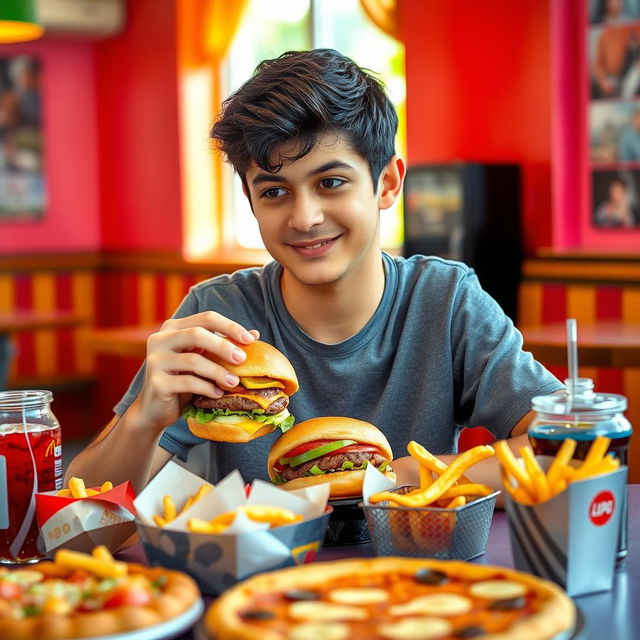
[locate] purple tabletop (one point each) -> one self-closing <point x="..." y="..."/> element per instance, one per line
<point x="610" y="614"/>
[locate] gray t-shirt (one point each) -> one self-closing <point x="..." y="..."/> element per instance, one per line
<point x="437" y="355"/>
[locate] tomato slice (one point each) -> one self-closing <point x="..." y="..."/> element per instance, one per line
<point x="9" y="590"/>
<point x="302" y="448"/>
<point x="133" y="595"/>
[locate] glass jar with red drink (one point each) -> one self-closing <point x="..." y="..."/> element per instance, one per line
<point x="582" y="414"/>
<point x="30" y="462"/>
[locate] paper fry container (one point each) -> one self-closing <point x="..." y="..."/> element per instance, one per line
<point x="572" y="538"/>
<point x="216" y="561"/>
<point x="81" y="524"/>
<point x="447" y="534"/>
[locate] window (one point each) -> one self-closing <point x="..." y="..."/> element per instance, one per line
<point x="271" y="28"/>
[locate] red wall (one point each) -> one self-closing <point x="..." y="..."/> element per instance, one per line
<point x="138" y="131"/>
<point x="478" y="89"/>
<point x="110" y="110"/>
<point x="71" y="219"/>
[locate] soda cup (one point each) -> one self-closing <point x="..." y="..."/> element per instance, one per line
<point x="583" y="415"/>
<point x="30" y="462"/>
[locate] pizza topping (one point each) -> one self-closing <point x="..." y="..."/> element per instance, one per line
<point x="472" y="631"/>
<point x="415" y="629"/>
<point x="258" y="614"/>
<point x="508" y="604"/>
<point x="443" y="604"/>
<point x="319" y="631"/>
<point x="26" y="576"/>
<point x="431" y="576"/>
<point x="326" y="611"/>
<point x="497" y="589"/>
<point x="301" y="594"/>
<point x="358" y="596"/>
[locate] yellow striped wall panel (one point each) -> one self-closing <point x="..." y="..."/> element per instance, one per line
<point x="581" y="303"/>
<point x="44" y="299"/>
<point x="83" y="301"/>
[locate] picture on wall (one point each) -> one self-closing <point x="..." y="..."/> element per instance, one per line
<point x="22" y="187"/>
<point x="613" y="53"/>
<point x="616" y="196"/>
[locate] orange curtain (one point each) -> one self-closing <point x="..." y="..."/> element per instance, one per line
<point x="206" y="29"/>
<point x="384" y="14"/>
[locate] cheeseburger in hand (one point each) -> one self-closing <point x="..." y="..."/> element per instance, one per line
<point x="255" y="407"/>
<point x="328" y="449"/>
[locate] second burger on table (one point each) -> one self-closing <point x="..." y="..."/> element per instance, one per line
<point x="329" y="449"/>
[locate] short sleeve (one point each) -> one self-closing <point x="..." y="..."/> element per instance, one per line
<point x="495" y="379"/>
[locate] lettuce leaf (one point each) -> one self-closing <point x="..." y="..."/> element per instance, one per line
<point x="284" y="420"/>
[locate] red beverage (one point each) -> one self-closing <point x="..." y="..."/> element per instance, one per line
<point x="31" y="454"/>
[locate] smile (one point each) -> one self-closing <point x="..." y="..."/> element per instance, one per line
<point x="316" y="249"/>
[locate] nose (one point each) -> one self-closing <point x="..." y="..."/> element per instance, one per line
<point x="306" y="212"/>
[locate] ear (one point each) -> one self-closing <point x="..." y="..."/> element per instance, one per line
<point x="390" y="182"/>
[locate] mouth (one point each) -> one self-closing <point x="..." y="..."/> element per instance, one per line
<point x="314" y="248"/>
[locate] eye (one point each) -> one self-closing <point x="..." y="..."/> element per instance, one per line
<point x="272" y="193"/>
<point x="331" y="183"/>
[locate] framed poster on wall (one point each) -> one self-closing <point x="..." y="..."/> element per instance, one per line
<point x="22" y="185"/>
<point x="613" y="62"/>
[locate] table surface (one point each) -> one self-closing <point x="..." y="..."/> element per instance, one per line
<point x="120" y="341"/>
<point x="610" y="614"/>
<point x="13" y="321"/>
<point x="603" y="344"/>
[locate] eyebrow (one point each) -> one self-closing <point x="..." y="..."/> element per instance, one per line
<point x="327" y="166"/>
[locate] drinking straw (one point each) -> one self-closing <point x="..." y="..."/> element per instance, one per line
<point x="572" y="357"/>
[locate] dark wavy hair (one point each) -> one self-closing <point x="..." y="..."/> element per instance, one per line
<point x="298" y="97"/>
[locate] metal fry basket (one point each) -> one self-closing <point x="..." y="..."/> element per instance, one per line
<point x="446" y="534"/>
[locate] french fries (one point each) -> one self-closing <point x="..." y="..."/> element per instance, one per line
<point x="449" y="489"/>
<point x="271" y="515"/>
<point x="169" y="511"/>
<point x="528" y="484"/>
<point x="97" y="563"/>
<point x="77" y="489"/>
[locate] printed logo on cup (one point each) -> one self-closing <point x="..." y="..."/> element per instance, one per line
<point x="601" y="508"/>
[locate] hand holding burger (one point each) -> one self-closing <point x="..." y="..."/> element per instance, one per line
<point x="329" y="449"/>
<point x="255" y="407"/>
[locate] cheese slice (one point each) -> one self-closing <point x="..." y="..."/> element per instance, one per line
<point x="416" y="629"/>
<point x="264" y="403"/>
<point x="319" y="631"/>
<point x="438" y="604"/>
<point x="497" y="589"/>
<point x="359" y="596"/>
<point x="244" y="422"/>
<point x="323" y="611"/>
<point x="255" y="382"/>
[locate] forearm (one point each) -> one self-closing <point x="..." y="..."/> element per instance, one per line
<point x="125" y="452"/>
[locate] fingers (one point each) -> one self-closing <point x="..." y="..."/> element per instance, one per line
<point x="213" y="322"/>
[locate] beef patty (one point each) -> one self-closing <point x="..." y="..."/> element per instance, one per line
<point x="333" y="462"/>
<point x="238" y="403"/>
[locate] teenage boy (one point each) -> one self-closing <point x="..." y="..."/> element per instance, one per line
<point x="414" y="346"/>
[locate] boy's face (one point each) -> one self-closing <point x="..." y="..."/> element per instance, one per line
<point x="319" y="216"/>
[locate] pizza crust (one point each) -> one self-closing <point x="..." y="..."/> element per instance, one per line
<point x="178" y="594"/>
<point x="222" y="621"/>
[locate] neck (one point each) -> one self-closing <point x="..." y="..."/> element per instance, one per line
<point x="334" y="312"/>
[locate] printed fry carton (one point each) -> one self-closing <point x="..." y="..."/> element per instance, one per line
<point x="572" y="538"/>
<point x="218" y="560"/>
<point x="84" y="523"/>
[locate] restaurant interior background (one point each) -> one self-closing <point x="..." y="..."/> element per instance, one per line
<point x="131" y="188"/>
